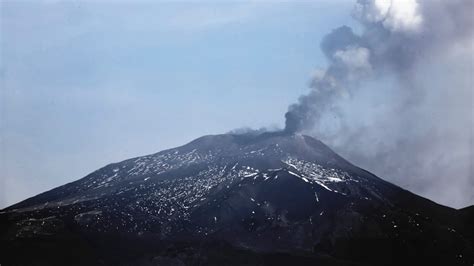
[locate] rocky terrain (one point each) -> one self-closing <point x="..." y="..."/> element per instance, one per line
<point x="267" y="199"/>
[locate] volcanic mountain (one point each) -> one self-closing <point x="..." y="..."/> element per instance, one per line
<point x="248" y="199"/>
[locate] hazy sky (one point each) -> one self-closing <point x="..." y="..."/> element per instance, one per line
<point x="84" y="84"/>
<point x="87" y="83"/>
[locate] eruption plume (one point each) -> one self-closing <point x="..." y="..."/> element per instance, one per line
<point x="396" y="98"/>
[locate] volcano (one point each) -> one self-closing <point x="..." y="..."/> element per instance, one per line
<point x="235" y="199"/>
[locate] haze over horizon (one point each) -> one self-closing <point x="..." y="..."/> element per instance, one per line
<point x="85" y="84"/>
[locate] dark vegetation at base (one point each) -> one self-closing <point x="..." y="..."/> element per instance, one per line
<point x="122" y="249"/>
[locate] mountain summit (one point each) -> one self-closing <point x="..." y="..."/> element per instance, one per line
<point x="264" y="199"/>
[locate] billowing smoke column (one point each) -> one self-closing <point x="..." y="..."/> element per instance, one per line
<point x="396" y="34"/>
<point x="397" y="96"/>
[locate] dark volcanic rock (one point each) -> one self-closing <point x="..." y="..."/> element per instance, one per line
<point x="228" y="199"/>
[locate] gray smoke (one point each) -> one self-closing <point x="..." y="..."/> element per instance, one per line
<point x="396" y="98"/>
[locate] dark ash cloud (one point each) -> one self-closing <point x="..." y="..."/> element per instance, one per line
<point x="397" y="97"/>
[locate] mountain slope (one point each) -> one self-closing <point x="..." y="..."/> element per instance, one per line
<point x="258" y="197"/>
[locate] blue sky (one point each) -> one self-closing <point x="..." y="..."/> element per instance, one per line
<point x="87" y="83"/>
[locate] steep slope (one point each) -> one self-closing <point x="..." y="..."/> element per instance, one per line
<point x="262" y="195"/>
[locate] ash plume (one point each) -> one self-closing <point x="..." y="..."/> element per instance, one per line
<point x="396" y="98"/>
